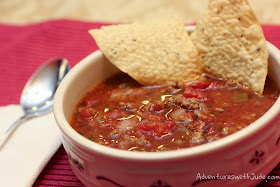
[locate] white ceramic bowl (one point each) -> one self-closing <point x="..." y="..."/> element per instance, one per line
<point x="252" y="150"/>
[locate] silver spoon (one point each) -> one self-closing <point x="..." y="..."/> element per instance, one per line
<point x="37" y="96"/>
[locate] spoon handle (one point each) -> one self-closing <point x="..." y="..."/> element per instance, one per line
<point x="5" y="136"/>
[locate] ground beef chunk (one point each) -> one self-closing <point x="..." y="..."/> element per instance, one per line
<point x="189" y="103"/>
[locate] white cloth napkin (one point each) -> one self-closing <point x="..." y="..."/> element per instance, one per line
<point x="29" y="149"/>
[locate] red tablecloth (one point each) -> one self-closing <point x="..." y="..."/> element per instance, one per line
<point x="24" y="48"/>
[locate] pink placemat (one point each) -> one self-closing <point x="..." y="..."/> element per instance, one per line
<point x="25" y="48"/>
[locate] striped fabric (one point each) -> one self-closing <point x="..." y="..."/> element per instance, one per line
<point x="58" y="172"/>
<point x="24" y="48"/>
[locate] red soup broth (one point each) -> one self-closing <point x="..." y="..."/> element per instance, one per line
<point x="120" y="113"/>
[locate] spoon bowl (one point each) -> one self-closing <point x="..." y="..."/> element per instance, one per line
<point x="38" y="93"/>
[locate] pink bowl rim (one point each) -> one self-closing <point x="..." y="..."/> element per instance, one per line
<point x="187" y="153"/>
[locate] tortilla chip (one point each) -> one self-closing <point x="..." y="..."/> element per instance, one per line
<point x="231" y="43"/>
<point x="155" y="52"/>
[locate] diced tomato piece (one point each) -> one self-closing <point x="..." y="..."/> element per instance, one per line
<point x="190" y="92"/>
<point x="86" y="112"/>
<point x="161" y="127"/>
<point x="158" y="106"/>
<point x="204" y="85"/>
<point x="209" y="126"/>
<point x="200" y="85"/>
